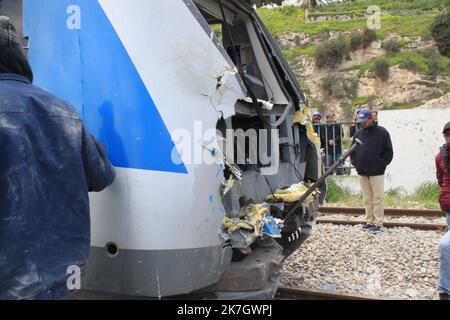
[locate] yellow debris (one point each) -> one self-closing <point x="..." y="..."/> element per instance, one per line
<point x="302" y="119"/>
<point x="292" y="194"/>
<point x="251" y="219"/>
<point x="312" y="135"/>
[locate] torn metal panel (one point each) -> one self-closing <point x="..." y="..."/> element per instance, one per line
<point x="266" y="105"/>
<point x="227" y="92"/>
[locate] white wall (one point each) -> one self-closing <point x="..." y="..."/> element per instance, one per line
<point x="416" y="136"/>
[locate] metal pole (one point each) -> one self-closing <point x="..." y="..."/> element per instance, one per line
<point x="324" y="177"/>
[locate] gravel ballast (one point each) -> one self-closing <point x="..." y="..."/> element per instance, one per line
<point x="399" y="263"/>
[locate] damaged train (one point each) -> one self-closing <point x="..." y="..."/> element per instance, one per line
<point x="145" y="75"/>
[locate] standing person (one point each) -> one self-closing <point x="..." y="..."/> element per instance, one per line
<point x="375" y="116"/>
<point x="317" y="118"/>
<point x="318" y="127"/>
<point x="371" y="161"/>
<point x="317" y="123"/>
<point x="332" y="142"/>
<point x="443" y="177"/>
<point x="48" y="165"/>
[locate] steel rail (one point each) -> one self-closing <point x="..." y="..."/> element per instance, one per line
<point x="416" y="226"/>
<point x="387" y="212"/>
<point x="306" y="294"/>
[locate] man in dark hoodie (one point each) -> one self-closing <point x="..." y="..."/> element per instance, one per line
<point x="443" y="177"/>
<point x="371" y="161"/>
<point x="48" y="164"/>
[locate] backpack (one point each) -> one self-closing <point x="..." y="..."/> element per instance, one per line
<point x="445" y="157"/>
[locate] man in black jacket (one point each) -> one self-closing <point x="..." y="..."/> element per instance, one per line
<point x="370" y="161"/>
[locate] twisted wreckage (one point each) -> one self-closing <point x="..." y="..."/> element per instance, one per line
<point x="143" y="74"/>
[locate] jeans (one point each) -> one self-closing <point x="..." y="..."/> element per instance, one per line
<point x="57" y="293"/>
<point x="332" y="159"/>
<point x="444" y="273"/>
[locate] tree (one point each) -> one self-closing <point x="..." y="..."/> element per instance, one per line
<point x="440" y="29"/>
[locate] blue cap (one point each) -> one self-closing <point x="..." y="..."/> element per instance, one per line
<point x="364" y="116"/>
<point x="446" y="127"/>
<point x="317" y="114"/>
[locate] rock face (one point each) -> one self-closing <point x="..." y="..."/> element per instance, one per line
<point x="442" y="102"/>
<point x="403" y="87"/>
<point x="399" y="263"/>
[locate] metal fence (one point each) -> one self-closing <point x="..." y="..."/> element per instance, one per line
<point x="335" y="139"/>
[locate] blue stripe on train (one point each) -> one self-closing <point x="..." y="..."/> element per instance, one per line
<point x="90" y="68"/>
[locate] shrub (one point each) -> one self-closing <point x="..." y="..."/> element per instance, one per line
<point x="333" y="86"/>
<point x="391" y="46"/>
<point x="410" y="65"/>
<point x="356" y="41"/>
<point x="368" y="36"/>
<point x="428" y="52"/>
<point x="330" y="54"/>
<point x="353" y="87"/>
<point x="427" y="192"/>
<point x="381" y="69"/>
<point x="434" y="67"/>
<point x="440" y="29"/>
<point x="335" y="193"/>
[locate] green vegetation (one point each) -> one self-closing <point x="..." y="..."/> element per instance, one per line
<point x="356" y="102"/>
<point x="405" y="105"/>
<point x="409" y="64"/>
<point x="330" y="54"/>
<point x="336" y="194"/>
<point x="426" y="195"/>
<point x="427" y="192"/>
<point x="405" y="18"/>
<point x="391" y="46"/>
<point x="440" y="30"/>
<point x="340" y="88"/>
<point x="297" y="52"/>
<point x="414" y="60"/>
<point x="361" y="5"/>
<point x="362" y="40"/>
<point x="332" y="86"/>
<point x="381" y="69"/>
<point x="417" y="23"/>
<point x="292" y="19"/>
<point x="433" y="66"/>
<point x="305" y="88"/>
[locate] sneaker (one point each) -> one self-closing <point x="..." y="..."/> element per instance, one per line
<point x="367" y="227"/>
<point x="376" y="229"/>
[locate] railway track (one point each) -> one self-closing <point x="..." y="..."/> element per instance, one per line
<point x="387" y="212"/>
<point x="305" y="294"/>
<point x="330" y="211"/>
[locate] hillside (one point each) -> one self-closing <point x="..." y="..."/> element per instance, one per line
<point x="396" y="66"/>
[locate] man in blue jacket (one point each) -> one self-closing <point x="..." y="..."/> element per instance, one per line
<point x="48" y="164"/>
<point x="371" y="161"/>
